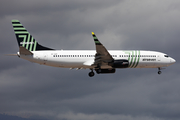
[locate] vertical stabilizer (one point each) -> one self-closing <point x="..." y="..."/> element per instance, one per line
<point x="25" y="39"/>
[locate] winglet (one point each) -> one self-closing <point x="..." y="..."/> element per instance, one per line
<point x="96" y="39"/>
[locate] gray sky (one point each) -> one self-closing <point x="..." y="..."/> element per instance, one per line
<point x="35" y="91"/>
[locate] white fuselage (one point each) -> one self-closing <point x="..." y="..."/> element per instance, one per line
<point x="83" y="59"/>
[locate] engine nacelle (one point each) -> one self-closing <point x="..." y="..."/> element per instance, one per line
<point x="119" y="63"/>
<point x="101" y="71"/>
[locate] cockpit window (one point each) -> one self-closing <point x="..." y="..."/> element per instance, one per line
<point x="166" y="56"/>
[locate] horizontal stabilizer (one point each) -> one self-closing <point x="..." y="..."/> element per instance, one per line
<point x="24" y="51"/>
<point x="11" y="55"/>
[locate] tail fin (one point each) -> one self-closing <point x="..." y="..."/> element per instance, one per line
<point x="25" y="39"/>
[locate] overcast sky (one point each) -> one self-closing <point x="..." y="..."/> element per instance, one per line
<point x="35" y="91"/>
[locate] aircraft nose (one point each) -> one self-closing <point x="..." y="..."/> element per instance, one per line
<point x="173" y="60"/>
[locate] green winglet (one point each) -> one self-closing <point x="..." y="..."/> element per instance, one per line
<point x="96" y="39"/>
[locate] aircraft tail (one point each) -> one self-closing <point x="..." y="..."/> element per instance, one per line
<point x="25" y="39"/>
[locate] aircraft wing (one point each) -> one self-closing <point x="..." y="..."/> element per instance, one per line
<point x="102" y="56"/>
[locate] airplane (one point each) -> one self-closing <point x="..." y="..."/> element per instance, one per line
<point x="101" y="60"/>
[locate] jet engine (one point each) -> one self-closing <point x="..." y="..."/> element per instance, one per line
<point x="119" y="64"/>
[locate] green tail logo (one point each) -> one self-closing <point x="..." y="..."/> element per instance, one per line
<point x="25" y="39"/>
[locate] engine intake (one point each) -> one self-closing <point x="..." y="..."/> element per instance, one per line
<point x="119" y="63"/>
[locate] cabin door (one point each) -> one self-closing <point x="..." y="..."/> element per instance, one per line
<point x="158" y="58"/>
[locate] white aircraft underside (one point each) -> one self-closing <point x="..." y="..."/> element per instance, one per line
<point x="101" y="60"/>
